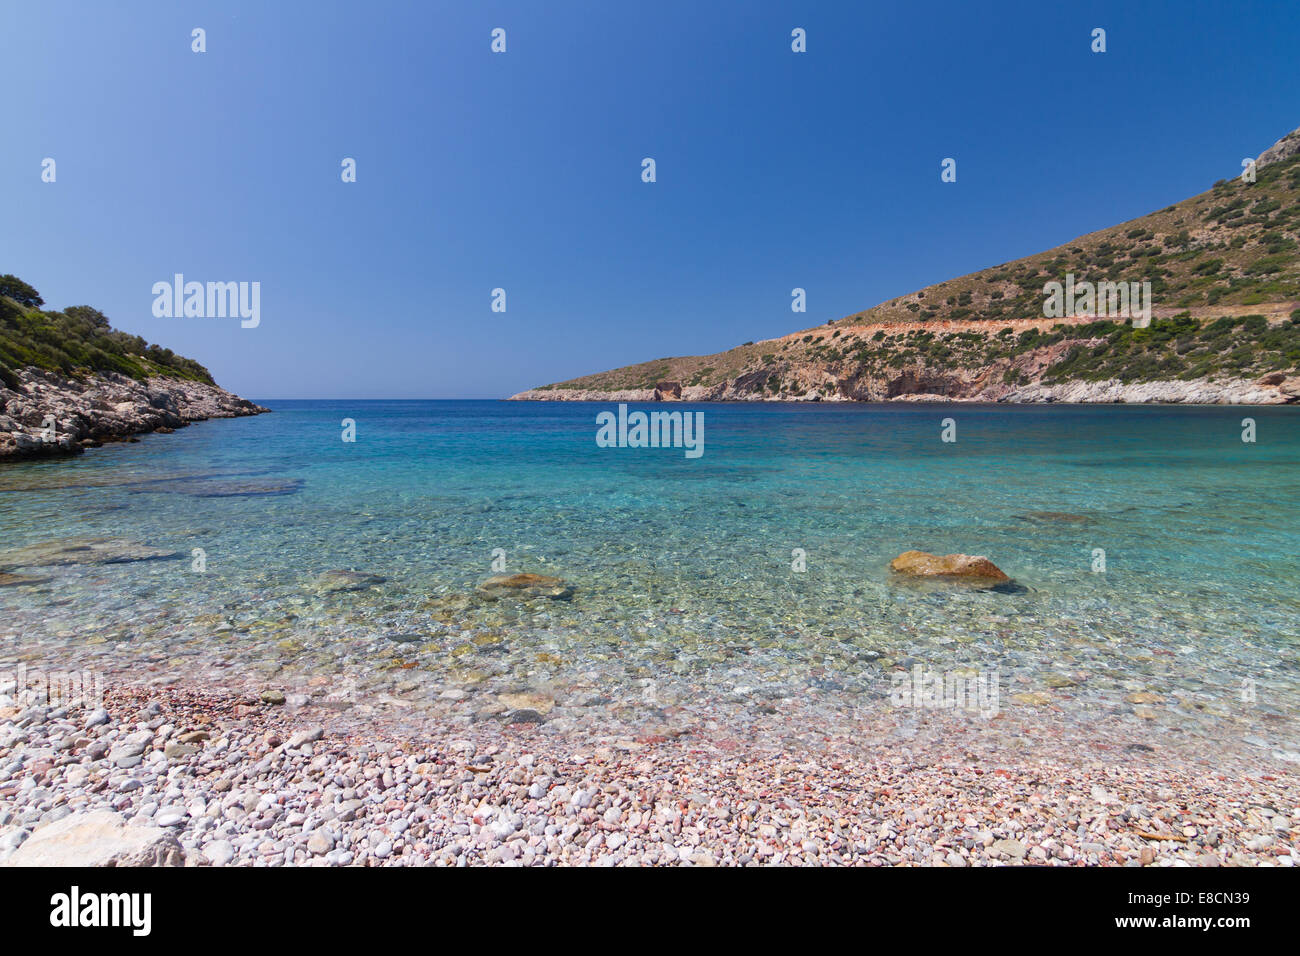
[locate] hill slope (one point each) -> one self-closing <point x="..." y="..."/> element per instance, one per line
<point x="78" y="338"/>
<point x="1224" y="273"/>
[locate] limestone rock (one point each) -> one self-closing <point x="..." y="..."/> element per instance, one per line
<point x="105" y="406"/>
<point x="1284" y="148"/>
<point x="101" y="838"/>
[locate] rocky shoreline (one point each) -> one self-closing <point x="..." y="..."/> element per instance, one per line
<point x="1275" y="389"/>
<point x="52" y="414"/>
<point x="177" y="775"/>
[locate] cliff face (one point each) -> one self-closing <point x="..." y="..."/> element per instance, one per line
<point x="1223" y="273"/>
<point x="52" y="413"/>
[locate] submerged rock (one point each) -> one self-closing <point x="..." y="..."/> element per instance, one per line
<point x="407" y="637"/>
<point x="8" y="580"/>
<point x="526" y="586"/>
<point x="924" y="565"/>
<point x="347" y="580"/>
<point x="524" y="716"/>
<point x="82" y="551"/>
<point x="236" y="488"/>
<point x="1008" y="587"/>
<point x="542" y="703"/>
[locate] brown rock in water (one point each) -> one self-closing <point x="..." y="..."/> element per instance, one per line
<point x="922" y="565"/>
<point x="8" y="580"/>
<point x="526" y="586"/>
<point x="668" y="392"/>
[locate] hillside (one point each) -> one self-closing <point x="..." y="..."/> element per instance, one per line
<point x="1224" y="273"/>
<point x="70" y="381"/>
<point x="76" y="339"/>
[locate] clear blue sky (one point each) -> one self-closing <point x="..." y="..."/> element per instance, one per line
<point x="522" y="170"/>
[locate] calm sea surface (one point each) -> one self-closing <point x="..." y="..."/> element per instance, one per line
<point x="684" y="570"/>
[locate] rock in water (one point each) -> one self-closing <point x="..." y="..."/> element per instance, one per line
<point x="922" y="565"/>
<point x="528" y="701"/>
<point x="214" y="488"/>
<point x="64" y="551"/>
<point x="102" y="838"/>
<point x="347" y="581"/>
<point x="525" y="587"/>
<point x="8" y="580"/>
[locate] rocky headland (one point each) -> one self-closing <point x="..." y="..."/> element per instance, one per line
<point x="52" y="413"/>
<point x="70" y="381"/>
<point x="1220" y="323"/>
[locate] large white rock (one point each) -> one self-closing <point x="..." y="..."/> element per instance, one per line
<point x="102" y="838"/>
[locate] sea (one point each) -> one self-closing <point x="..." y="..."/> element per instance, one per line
<point x="1154" y="557"/>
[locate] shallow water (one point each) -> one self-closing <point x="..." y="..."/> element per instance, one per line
<point x="685" y="591"/>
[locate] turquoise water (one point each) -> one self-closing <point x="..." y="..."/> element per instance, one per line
<point x="685" y="591"/>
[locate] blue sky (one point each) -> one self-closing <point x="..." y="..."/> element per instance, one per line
<point x="522" y="170"/>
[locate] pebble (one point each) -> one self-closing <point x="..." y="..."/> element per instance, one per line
<point x="219" y="852"/>
<point x="170" y="817"/>
<point x="320" y="842"/>
<point x="1011" y="848"/>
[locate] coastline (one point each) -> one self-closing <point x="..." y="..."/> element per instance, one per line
<point x="1267" y="390"/>
<point x="103" y="407"/>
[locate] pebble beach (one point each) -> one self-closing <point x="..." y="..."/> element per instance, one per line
<point x="207" y="778"/>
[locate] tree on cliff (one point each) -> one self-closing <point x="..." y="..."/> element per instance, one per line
<point x="18" y="290"/>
